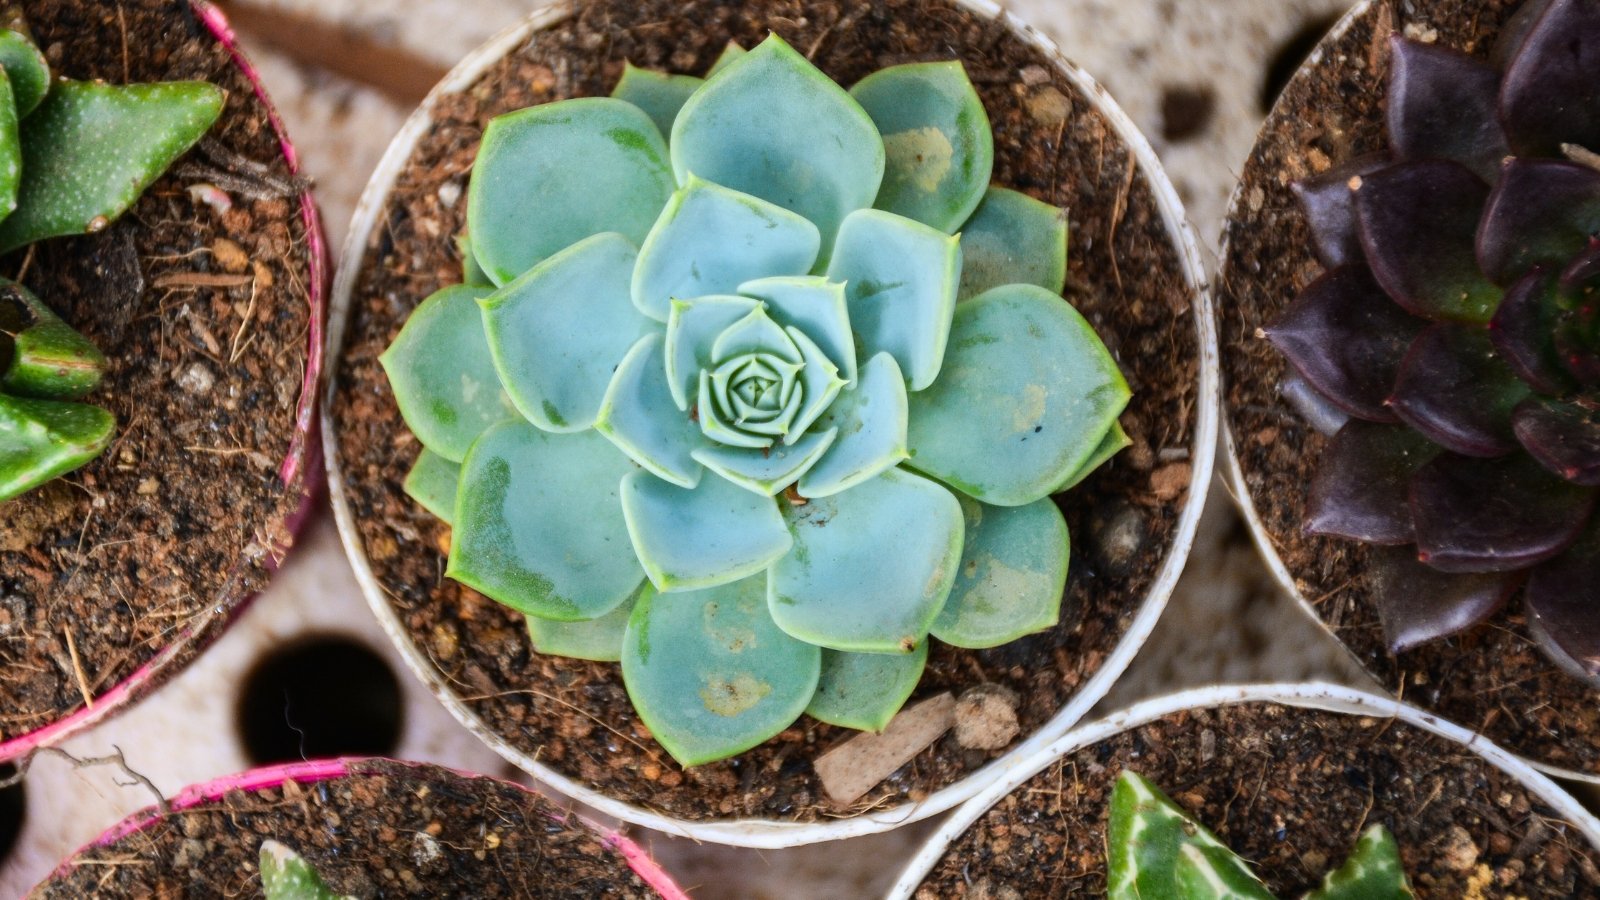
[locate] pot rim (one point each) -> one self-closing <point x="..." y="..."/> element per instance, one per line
<point x="1314" y="695"/>
<point x="770" y="833"/>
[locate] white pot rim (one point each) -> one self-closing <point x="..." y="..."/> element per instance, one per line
<point x="1309" y="695"/>
<point x="766" y="833"/>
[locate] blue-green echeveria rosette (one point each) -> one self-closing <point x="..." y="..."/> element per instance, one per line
<point x="694" y="437"/>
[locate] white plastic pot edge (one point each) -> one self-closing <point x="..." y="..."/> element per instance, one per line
<point x="762" y="833"/>
<point x="1311" y="695"/>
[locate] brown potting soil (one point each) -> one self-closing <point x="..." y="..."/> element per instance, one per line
<point x="203" y="316"/>
<point x="1125" y="276"/>
<point x="387" y="830"/>
<point x="1493" y="678"/>
<point x="1290" y="790"/>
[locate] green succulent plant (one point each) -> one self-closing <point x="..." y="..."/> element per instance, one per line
<point x="74" y="156"/>
<point x="286" y="875"/>
<point x="1156" y="851"/>
<point x="741" y="408"/>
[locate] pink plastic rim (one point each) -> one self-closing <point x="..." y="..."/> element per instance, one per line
<point x="305" y="447"/>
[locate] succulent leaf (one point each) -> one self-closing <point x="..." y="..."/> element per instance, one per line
<point x="709" y="672"/>
<point x="659" y="94"/>
<point x="1549" y="95"/>
<point x="1564" y="437"/>
<point x="871" y="419"/>
<point x="527" y="201"/>
<point x="820" y="379"/>
<point x="639" y="416"/>
<point x="727" y="57"/>
<point x="10" y="147"/>
<point x="1520" y="331"/>
<point x="471" y="273"/>
<point x="1115" y="441"/>
<point x="1012" y="238"/>
<point x="1322" y="414"/>
<point x="1365" y="471"/>
<point x="1418" y="603"/>
<point x="1214" y="873"/>
<point x="41" y="439"/>
<point x="1372" y="872"/>
<point x="1329" y="203"/>
<point x="595" y="639"/>
<point x="1026" y="394"/>
<point x="286" y="875"/>
<point x="769" y="470"/>
<point x="1442" y="104"/>
<point x="1534" y="516"/>
<point x="1541" y="212"/>
<point x="717" y="533"/>
<point x="40" y="355"/>
<point x="940" y="151"/>
<point x="433" y="482"/>
<point x="1013" y="571"/>
<point x="692" y="330"/>
<point x="1564" y="606"/>
<point x="1454" y="388"/>
<point x="1146" y="839"/>
<point x="817" y="308"/>
<point x="864" y="690"/>
<point x="26" y="69"/>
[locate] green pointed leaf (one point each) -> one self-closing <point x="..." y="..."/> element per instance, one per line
<point x="710" y="675"/>
<point x="90" y="150"/>
<point x="864" y="690"/>
<point x="1013" y="239"/>
<point x="715" y="534"/>
<point x="553" y="360"/>
<point x="1115" y="441"/>
<point x="41" y="439"/>
<point x="528" y="200"/>
<point x="1013" y="570"/>
<point x="1214" y="873"/>
<point x="442" y="374"/>
<point x="433" y="482"/>
<point x="639" y="416"/>
<point x="1373" y="872"/>
<point x="756" y="333"/>
<point x="900" y="279"/>
<point x="692" y="330"/>
<point x="10" y="147"/>
<point x="710" y="239"/>
<point x="26" y="69"/>
<point x="556" y="548"/>
<point x="1146" y="843"/>
<point x="285" y="875"/>
<point x="818" y="591"/>
<point x="822" y="158"/>
<point x="41" y="355"/>
<point x="871" y="420"/>
<point x="659" y="94"/>
<point x="730" y="53"/>
<point x="769" y="470"/>
<point x="936" y="135"/>
<point x="1027" y="393"/>
<point x="815" y="306"/>
<point x="822" y="384"/>
<point x="597" y="639"/>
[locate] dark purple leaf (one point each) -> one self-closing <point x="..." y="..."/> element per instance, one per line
<point x="1541" y="213"/>
<point x="1329" y="202"/>
<point x="1418" y="604"/>
<point x="1360" y="487"/>
<point x="1564" y="437"/>
<point x="1456" y="390"/>
<point x="1551" y="92"/>
<point x="1577" y="336"/>
<point x="1347" y="338"/>
<point x="1520" y="331"/>
<point x="1515" y="31"/>
<point x="1442" y="103"/>
<point x="1494" y="515"/>
<point x="1418" y="223"/>
<point x="1322" y="414"/>
<point x="1563" y="603"/>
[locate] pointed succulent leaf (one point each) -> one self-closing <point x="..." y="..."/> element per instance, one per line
<point x="821" y="381"/>
<point x="871" y="418"/>
<point x="823" y="158"/>
<point x="1514" y="33"/>
<point x="1494" y="515"/>
<point x="40" y="354"/>
<point x="709" y="672"/>
<point x="433" y="482"/>
<point x="1329" y="203"/>
<point x="817" y="592"/>
<point x="442" y="374"/>
<point x="1521" y="333"/>
<point x="1347" y="338"/>
<point x="1418" y="221"/>
<point x="596" y="639"/>
<point x="1012" y="238"/>
<point x="710" y="239"/>
<point x="729" y="54"/>
<point x="26" y="69"/>
<point x="557" y="332"/>
<point x="528" y="200"/>
<point x="770" y="470"/>
<point x="720" y="422"/>
<point x="1322" y="414"/>
<point x="1373" y="871"/>
<point x="1418" y="603"/>
<point x="1364" y="471"/>
<point x="1563" y="600"/>
<point x="545" y="546"/>
<point x="1541" y="212"/>
<point x="756" y="333"/>
<point x="1455" y="389"/>
<point x="1115" y="441"/>
<point x="286" y="875"/>
<point x="864" y="690"/>
<point x="692" y="330"/>
<point x="640" y="417"/>
<point x="815" y="306"/>
<point x="715" y="534"/>
<point x="1146" y="838"/>
<point x="41" y="439"/>
<point x="937" y="139"/>
<point x="1549" y="95"/>
<point x="1214" y="873"/>
<point x="1013" y="570"/>
<point x="10" y="147"/>
<point x="1028" y="390"/>
<point x="900" y="278"/>
<point x="90" y="150"/>
<point x="1563" y="436"/>
<point x="659" y="94"/>
<point x="1442" y="104"/>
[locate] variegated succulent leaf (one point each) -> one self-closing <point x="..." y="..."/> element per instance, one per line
<point x="286" y="875"/>
<point x="1373" y="871"/>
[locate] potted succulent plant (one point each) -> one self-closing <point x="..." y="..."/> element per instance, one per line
<point x="160" y="334"/>
<point x="1416" y="441"/>
<point x="1314" y="784"/>
<point x="736" y="374"/>
<point x="359" y="827"/>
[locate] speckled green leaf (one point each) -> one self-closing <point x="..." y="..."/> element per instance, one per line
<point x="638" y="415"/>
<point x="864" y="690"/>
<point x="10" y="147"/>
<point x="1013" y="239"/>
<point x="714" y="534"/>
<point x="710" y="674"/>
<point x="90" y="150"/>
<point x="285" y="875"/>
<point x="1148" y="838"/>
<point x="659" y="94"/>
<point x="871" y="419"/>
<point x="1013" y="570"/>
<point x="1373" y="872"/>
<point x="729" y="54"/>
<point x="26" y="68"/>
<point x="556" y="548"/>
<point x="528" y="200"/>
<point x="41" y="439"/>
<point x="1026" y="395"/>
<point x="41" y="355"/>
<point x="432" y="482"/>
<point x="936" y="135"/>
<point x="1115" y="441"/>
<point x="1213" y="873"/>
<point x="597" y="639"/>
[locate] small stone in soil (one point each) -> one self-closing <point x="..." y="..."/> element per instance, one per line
<point x="986" y="718"/>
<point x="856" y="766"/>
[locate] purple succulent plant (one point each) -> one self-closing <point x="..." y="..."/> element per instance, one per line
<point x="1454" y="340"/>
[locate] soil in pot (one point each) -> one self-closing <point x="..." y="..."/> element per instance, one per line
<point x="1290" y="789"/>
<point x="1125" y="277"/>
<point x="203" y="314"/>
<point x="385" y="829"/>
<point x="1492" y="678"/>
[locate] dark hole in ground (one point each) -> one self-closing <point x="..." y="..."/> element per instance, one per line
<point x="13" y="809"/>
<point x="1281" y="67"/>
<point x="320" y="697"/>
<point x="1186" y="111"/>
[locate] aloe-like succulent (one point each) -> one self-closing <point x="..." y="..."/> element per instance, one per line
<point x="1454" y="339"/>
<point x="286" y="875"/>
<point x="726" y="397"/>
<point x="74" y="156"/>
<point x="1156" y="851"/>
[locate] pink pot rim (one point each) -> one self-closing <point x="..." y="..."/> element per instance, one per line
<point x="305" y="447"/>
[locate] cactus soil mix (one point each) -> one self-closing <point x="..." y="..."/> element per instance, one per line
<point x="384" y="830"/>
<point x="201" y="310"/>
<point x="1125" y="276"/>
<point x="1492" y="678"/>
<point x="1289" y="789"/>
